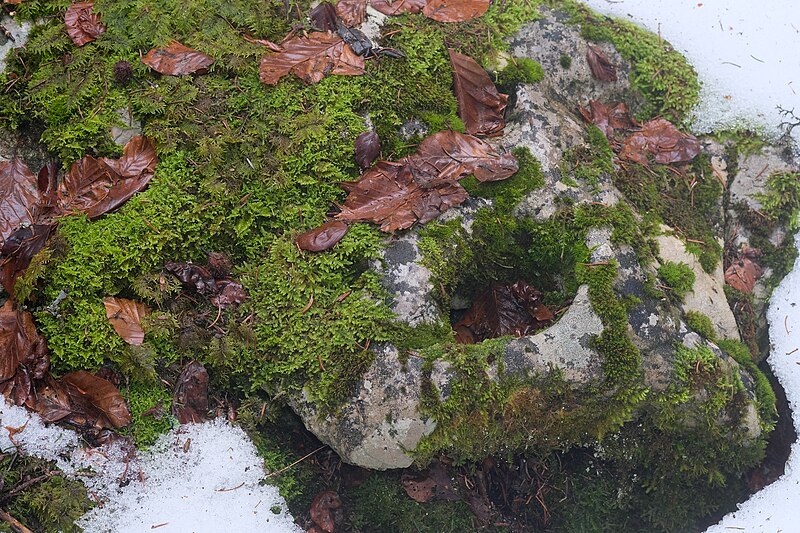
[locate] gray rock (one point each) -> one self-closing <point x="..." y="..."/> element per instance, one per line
<point x="19" y="37"/>
<point x="126" y="129"/>
<point x="753" y="172"/>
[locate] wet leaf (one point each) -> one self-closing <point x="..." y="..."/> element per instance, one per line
<point x="608" y="119"/>
<point x="126" y="318"/>
<point x="368" y="148"/>
<point x="19" y="249"/>
<point x="480" y="106"/>
<point x="83" y="26"/>
<point x="321" y="510"/>
<point x="193" y="276"/>
<point x="398" y="7"/>
<point x="311" y="59"/>
<point x="504" y="310"/>
<point x="455" y="10"/>
<point x="601" y="67"/>
<point x="323" y="17"/>
<point x="19" y="197"/>
<point x="21" y="344"/>
<point x="432" y="484"/>
<point x="662" y="140"/>
<point x="177" y="60"/>
<point x="452" y="155"/>
<point x="230" y="293"/>
<point x="190" y="402"/>
<point x="420" y="490"/>
<point x="53" y="402"/>
<point x="97" y="186"/>
<point x="742" y="274"/>
<point x="352" y="12"/>
<point x="323" y="237"/>
<point x="95" y="401"/>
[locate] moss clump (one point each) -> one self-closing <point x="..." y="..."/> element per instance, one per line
<point x="765" y="396"/>
<point x="508" y="193"/>
<point x="155" y="398"/>
<point x="520" y="70"/>
<point x="701" y="324"/>
<point x="53" y="504"/>
<point x="678" y="277"/>
<point x="781" y="201"/>
<point x="565" y="61"/>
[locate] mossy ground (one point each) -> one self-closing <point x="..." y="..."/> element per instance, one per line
<point x="245" y="167"/>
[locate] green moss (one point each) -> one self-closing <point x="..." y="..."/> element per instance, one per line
<point x="565" y="61"/>
<point x="765" y="396"/>
<point x="781" y="201"/>
<point x="381" y="506"/>
<point x="701" y="324"/>
<point x="678" y="277"/>
<point x="508" y="193"/>
<point x="141" y="397"/>
<point x="519" y="70"/>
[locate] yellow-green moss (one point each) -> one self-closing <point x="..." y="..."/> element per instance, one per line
<point x="678" y="278"/>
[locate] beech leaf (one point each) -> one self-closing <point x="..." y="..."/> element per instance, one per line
<point x="83" y="26"/>
<point x="323" y="17"/>
<point x="455" y="10"/>
<point x="21" y="344"/>
<point x="608" y="119"/>
<point x="661" y="139"/>
<point x="97" y="186"/>
<point x="18" y="251"/>
<point x="177" y="60"/>
<point x="190" y="402"/>
<point x="19" y="197"/>
<point x="311" y="59"/>
<point x="321" y="510"/>
<point x="602" y="68"/>
<point x="452" y="155"/>
<point x="398" y="7"/>
<point x="480" y="106"/>
<point x="352" y="12"/>
<point x="368" y="148"/>
<point x="97" y="400"/>
<point x="742" y="274"/>
<point x="126" y="318"/>
<point x="323" y="237"/>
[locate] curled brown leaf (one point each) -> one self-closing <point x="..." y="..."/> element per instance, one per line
<point x="323" y="17"/>
<point x="398" y="7"/>
<point x="190" y="401"/>
<point x="742" y="274"/>
<point x="95" y="401"/>
<point x="177" y="60"/>
<point x="661" y="139"/>
<point x="323" y="237"/>
<point x="83" y="26"/>
<point x="602" y="68"/>
<point x="367" y="148"/>
<point x="321" y="510"/>
<point x="19" y="197"/>
<point x="21" y="344"/>
<point x="480" y="106"/>
<point x="18" y="251"/>
<point x="126" y="317"/>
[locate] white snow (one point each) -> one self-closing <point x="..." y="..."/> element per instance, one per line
<point x="744" y="51"/>
<point x="197" y="478"/>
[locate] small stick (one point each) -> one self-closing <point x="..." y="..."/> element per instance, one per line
<point x="13" y="522"/>
<point x="239" y="486"/>
<point x="790" y="353"/>
<point x="156" y="526"/>
<point x="285" y="468"/>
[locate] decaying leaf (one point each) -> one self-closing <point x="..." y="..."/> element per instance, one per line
<point x="95" y="401"/>
<point x="323" y="17"/>
<point x="432" y="484"/>
<point x="19" y="197"/>
<point x="661" y="139"/>
<point x="352" y="12"/>
<point x="230" y="293"/>
<point x="126" y="318"/>
<point x="18" y="251"/>
<point x="323" y="237"/>
<point x="420" y="187"/>
<point x="311" y="59"/>
<point x="368" y="148"/>
<point x="608" y="119"/>
<point x="83" y="26"/>
<point x="503" y="310"/>
<point x="480" y="106"/>
<point x="190" y="402"/>
<point x="21" y="344"/>
<point x="321" y="510"/>
<point x="97" y="186"/>
<point x="742" y="274"/>
<point x="194" y="276"/>
<point x="398" y="7"/>
<point x="602" y="68"/>
<point x="419" y="490"/>
<point x="177" y="60"/>
<point x="263" y="42"/>
<point x="455" y="10"/>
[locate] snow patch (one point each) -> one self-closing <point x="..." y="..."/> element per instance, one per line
<point x="198" y="477"/>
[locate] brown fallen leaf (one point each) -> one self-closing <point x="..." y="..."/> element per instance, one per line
<point x="398" y="7"/>
<point x="323" y="17"/>
<point x="231" y="293"/>
<point x="97" y="186"/>
<point x="352" y="12"/>
<point x="263" y="42"/>
<point x="323" y="237"/>
<point x="193" y="276"/>
<point x="367" y="148"/>
<point x="18" y="251"/>
<point x="662" y="140"/>
<point x="95" y="401"/>
<point x="190" y="401"/>
<point x="480" y="106"/>
<point x="609" y="119"/>
<point x="126" y="318"/>
<point x="742" y="274"/>
<point x="19" y="197"/>
<point x="311" y="59"/>
<point x="419" y="490"/>
<point x="21" y="344"/>
<point x="455" y="10"/>
<point x="503" y="310"/>
<point x="602" y="68"/>
<point x="177" y="60"/>
<point x="83" y="26"/>
<point x="321" y="510"/>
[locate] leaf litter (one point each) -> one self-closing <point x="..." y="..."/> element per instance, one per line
<point x="177" y="60"/>
<point x="480" y="106"/>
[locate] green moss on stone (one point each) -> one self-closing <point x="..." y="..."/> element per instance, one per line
<point x="701" y="324"/>
<point x="678" y="277"/>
